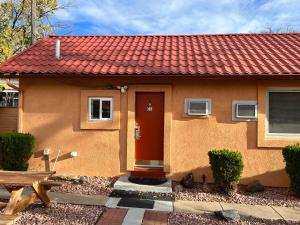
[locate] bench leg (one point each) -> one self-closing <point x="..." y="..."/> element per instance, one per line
<point x="41" y="193"/>
<point x="15" y="197"/>
<point x="17" y="203"/>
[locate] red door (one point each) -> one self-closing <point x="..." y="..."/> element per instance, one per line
<point x="149" y="133"/>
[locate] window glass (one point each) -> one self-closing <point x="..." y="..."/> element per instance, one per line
<point x="198" y="107"/>
<point x="245" y="110"/>
<point x="106" y="109"/>
<point x="9" y="99"/>
<point x="284" y="112"/>
<point x="100" y="108"/>
<point x="95" y="108"/>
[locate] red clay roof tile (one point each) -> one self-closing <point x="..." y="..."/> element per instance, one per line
<point x="199" y="55"/>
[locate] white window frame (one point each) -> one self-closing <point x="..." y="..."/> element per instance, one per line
<point x="101" y="99"/>
<point x="187" y="102"/>
<point x="11" y="91"/>
<point x="279" y="135"/>
<point x="235" y="115"/>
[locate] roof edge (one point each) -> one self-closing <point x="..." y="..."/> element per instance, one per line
<point x="174" y="35"/>
<point x="170" y="76"/>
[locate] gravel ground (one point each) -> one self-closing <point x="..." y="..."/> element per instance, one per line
<point x="63" y="214"/>
<point x="90" y="186"/>
<point x="196" y="219"/>
<point x="271" y="196"/>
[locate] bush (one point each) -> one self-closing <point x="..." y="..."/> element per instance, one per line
<point x="291" y="155"/>
<point x="15" y="150"/>
<point x="227" y="167"/>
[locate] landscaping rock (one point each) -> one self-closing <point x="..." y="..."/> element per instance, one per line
<point x="90" y="186"/>
<point x="84" y="180"/>
<point x="188" y="181"/>
<point x="255" y="186"/>
<point x="229" y="215"/>
<point x="205" y="188"/>
<point x="271" y="196"/>
<point x="178" y="188"/>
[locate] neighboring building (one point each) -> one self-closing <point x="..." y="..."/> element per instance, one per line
<point x="8" y="106"/>
<point x="160" y="103"/>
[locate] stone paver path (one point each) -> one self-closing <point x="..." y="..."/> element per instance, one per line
<point x="158" y="205"/>
<point x="133" y="216"/>
<point x="112" y="217"/>
<point x="155" y="218"/>
<point x="258" y="211"/>
<point x="121" y="216"/>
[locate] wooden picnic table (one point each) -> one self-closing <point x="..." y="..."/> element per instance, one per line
<point x="16" y="181"/>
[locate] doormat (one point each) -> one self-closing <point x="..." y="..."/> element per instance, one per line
<point x="136" y="203"/>
<point x="143" y="195"/>
<point x="147" y="180"/>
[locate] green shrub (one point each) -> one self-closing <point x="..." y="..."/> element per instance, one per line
<point x="291" y="155"/>
<point x="15" y="150"/>
<point x="227" y="167"/>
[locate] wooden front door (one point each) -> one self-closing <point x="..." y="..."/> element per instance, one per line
<point x="149" y="131"/>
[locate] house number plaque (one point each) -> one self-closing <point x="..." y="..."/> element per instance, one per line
<point x="149" y="107"/>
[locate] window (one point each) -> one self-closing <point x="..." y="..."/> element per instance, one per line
<point x="284" y="112"/>
<point x="244" y="110"/>
<point x="100" y="108"/>
<point x="9" y="98"/>
<point x="201" y="107"/>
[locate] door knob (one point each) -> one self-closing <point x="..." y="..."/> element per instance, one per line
<point x="137" y="133"/>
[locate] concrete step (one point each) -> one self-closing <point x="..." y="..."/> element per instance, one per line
<point x="124" y="184"/>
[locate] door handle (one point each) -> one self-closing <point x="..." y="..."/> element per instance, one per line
<point x="137" y="133"/>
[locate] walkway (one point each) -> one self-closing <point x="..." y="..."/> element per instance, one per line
<point x="138" y="216"/>
<point x="121" y="216"/>
<point x="258" y="211"/>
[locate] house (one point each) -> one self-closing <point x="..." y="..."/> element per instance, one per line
<point x="110" y="105"/>
<point x="8" y="106"/>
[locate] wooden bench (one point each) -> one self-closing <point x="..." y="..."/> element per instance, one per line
<point x="16" y="181"/>
<point x="8" y="219"/>
<point x="48" y="184"/>
<point x="3" y="205"/>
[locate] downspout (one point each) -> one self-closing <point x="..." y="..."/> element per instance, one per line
<point x="10" y="84"/>
<point x="20" y="104"/>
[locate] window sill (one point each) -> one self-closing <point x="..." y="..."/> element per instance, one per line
<point x="243" y="120"/>
<point x="278" y="141"/>
<point x="283" y="136"/>
<point x="196" y="116"/>
<point x="100" y="125"/>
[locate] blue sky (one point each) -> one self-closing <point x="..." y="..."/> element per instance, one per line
<point x="176" y="16"/>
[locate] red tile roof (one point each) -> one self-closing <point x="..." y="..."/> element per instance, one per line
<point x="199" y="55"/>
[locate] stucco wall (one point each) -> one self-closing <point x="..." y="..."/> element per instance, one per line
<point x="51" y="112"/>
<point x="8" y="119"/>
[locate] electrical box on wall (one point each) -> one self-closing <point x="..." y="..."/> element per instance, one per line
<point x="46" y="153"/>
<point x="73" y="154"/>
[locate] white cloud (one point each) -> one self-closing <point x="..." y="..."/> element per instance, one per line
<point x="179" y="16"/>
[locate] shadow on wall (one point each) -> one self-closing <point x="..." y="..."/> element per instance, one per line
<point x="197" y="172"/>
<point x="272" y="178"/>
<point x="277" y="178"/>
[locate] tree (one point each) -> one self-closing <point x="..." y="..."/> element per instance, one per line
<point x="282" y="29"/>
<point x="15" y="24"/>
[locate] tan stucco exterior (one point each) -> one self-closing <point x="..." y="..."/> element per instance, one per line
<point x="8" y="119"/>
<point x="53" y="110"/>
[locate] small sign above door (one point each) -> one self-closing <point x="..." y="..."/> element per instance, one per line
<point x="149" y="107"/>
